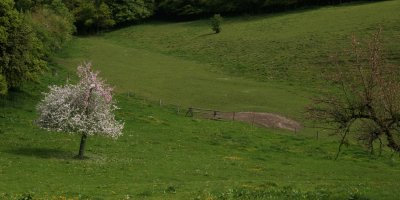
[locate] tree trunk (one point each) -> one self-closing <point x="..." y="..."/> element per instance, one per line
<point x="82" y="146"/>
<point x="392" y="142"/>
<point x="84" y="136"/>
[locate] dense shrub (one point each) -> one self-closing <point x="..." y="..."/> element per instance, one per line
<point x="92" y="16"/>
<point x="21" y="52"/>
<point x="53" y="24"/>
<point x="96" y="15"/>
<point x="130" y="11"/>
<point x="30" y="31"/>
<point x="216" y="23"/>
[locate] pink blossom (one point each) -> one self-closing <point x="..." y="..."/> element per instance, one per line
<point x="86" y="107"/>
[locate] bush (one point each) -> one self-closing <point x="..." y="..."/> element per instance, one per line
<point x="26" y="196"/>
<point x="216" y="23"/>
<point x="53" y="25"/>
<point x="126" y="12"/>
<point x="91" y="16"/>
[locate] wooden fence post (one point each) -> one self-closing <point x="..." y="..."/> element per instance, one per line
<point x="254" y="116"/>
<point x="189" y="112"/>
<point x="233" y="116"/>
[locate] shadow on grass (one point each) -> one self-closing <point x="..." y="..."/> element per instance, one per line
<point x="47" y="153"/>
<point x="207" y="34"/>
<point x="15" y="98"/>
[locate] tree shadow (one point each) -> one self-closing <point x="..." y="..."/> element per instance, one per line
<point x="46" y="153"/>
<point x="205" y="35"/>
<point x="15" y="98"/>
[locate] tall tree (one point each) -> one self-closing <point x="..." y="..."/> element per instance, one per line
<point x="20" y="50"/>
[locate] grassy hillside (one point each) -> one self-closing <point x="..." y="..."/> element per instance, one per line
<point x="164" y="155"/>
<point x="155" y="76"/>
<point x="266" y="63"/>
<point x="184" y="64"/>
<point x="292" y="46"/>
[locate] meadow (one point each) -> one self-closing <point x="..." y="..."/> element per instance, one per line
<point x="164" y="155"/>
<point x="269" y="63"/>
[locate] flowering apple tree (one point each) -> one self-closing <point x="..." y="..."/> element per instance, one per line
<point x="85" y="108"/>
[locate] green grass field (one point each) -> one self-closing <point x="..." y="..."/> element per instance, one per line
<point x="155" y="76"/>
<point x="292" y="46"/>
<point x="270" y="63"/>
<point x="164" y="155"/>
<point x="188" y="66"/>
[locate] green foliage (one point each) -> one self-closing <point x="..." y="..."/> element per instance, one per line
<point x="128" y="11"/>
<point x="181" y="8"/>
<point x="27" y="38"/>
<point x="20" y="49"/>
<point x="93" y="15"/>
<point x="216" y="23"/>
<point x="53" y="25"/>
<point x="24" y="5"/>
<point x="26" y="196"/>
<point x="3" y="85"/>
<point x="29" y="5"/>
<point x="96" y="15"/>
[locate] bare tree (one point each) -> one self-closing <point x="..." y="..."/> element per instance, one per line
<point x="367" y="101"/>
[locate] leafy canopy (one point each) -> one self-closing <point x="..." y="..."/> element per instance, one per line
<point x="21" y="51"/>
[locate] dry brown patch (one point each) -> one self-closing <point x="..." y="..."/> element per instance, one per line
<point x="268" y="120"/>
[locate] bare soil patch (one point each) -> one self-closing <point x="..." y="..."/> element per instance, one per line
<point x="268" y="120"/>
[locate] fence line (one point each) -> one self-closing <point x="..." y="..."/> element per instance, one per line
<point x="268" y="120"/>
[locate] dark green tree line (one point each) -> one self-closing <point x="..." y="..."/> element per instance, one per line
<point x="30" y="31"/>
<point x="176" y="8"/>
<point x="92" y="16"/>
<point x="20" y="49"/>
<point x="95" y="15"/>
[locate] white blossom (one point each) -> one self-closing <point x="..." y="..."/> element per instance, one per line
<point x="84" y="108"/>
